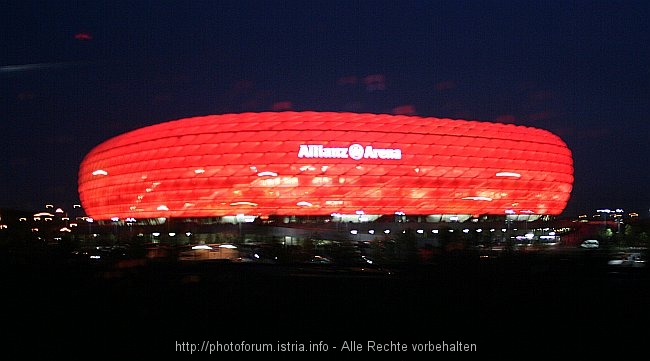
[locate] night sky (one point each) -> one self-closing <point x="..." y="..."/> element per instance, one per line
<point x="75" y="74"/>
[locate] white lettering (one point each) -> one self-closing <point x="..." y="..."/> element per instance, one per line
<point x="354" y="151"/>
<point x="305" y="151"/>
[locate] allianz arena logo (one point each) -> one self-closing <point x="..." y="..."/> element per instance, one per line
<point x="354" y="151"/>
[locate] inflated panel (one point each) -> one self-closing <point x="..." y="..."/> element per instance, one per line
<point x="319" y="163"/>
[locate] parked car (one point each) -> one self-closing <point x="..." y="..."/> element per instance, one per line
<point x="627" y="259"/>
<point x="590" y="244"/>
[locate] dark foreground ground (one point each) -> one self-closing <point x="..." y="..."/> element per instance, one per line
<point x="524" y="305"/>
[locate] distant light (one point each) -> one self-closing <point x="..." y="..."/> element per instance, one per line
<point x="478" y="198"/>
<point x="508" y="174"/>
<point x="243" y="204"/>
<point x="228" y="246"/>
<point x="83" y="36"/>
<point x="201" y="246"/>
<point x="42" y="214"/>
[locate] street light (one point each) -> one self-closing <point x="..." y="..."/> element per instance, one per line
<point x="115" y="230"/>
<point x="605" y="212"/>
<point x="618" y="217"/>
<point x="129" y="222"/>
<point x="90" y="224"/>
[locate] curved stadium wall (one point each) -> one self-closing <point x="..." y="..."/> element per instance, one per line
<point x="324" y="163"/>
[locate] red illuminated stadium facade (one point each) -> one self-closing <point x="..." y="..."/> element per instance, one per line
<point x="326" y="164"/>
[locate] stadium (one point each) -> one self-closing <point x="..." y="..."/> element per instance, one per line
<point x="292" y="174"/>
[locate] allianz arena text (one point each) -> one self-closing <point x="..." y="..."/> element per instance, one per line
<point x="325" y="163"/>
